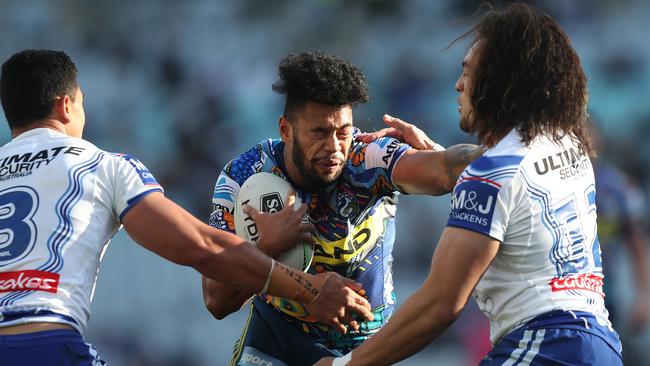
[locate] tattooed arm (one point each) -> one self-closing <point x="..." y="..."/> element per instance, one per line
<point x="434" y="172"/>
<point x="431" y="170"/>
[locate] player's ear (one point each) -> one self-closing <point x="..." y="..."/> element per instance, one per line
<point x="286" y="130"/>
<point x="62" y="108"/>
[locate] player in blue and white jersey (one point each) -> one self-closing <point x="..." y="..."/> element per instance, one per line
<point x="350" y="188"/>
<point x="61" y="201"/>
<point x="522" y="229"/>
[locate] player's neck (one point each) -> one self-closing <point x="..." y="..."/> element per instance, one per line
<point x="52" y="124"/>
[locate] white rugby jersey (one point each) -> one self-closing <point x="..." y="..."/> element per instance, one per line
<point x="61" y="201"/>
<point x="539" y="202"/>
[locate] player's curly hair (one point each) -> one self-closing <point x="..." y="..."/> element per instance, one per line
<point x="321" y="78"/>
<point x="528" y="77"/>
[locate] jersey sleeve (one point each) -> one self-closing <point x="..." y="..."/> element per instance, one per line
<point x="372" y="164"/>
<point x="485" y="196"/>
<point x="132" y="181"/>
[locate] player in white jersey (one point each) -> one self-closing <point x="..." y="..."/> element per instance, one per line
<point x="61" y="201"/>
<point x="522" y="227"/>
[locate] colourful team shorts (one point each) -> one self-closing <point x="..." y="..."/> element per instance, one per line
<point x="269" y="338"/>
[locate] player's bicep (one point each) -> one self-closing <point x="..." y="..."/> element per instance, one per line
<point x="163" y="227"/>
<point x="460" y="259"/>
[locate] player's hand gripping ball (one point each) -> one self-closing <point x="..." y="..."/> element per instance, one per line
<point x="268" y="193"/>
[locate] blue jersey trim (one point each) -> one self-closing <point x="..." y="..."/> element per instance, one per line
<point x="133" y="201"/>
<point x="487" y="163"/>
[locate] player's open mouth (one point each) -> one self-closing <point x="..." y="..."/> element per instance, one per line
<point x="329" y="164"/>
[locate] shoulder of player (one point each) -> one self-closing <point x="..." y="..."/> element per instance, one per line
<point x="497" y="166"/>
<point x="254" y="160"/>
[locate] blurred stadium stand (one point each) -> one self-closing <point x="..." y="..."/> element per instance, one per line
<point x="185" y="85"/>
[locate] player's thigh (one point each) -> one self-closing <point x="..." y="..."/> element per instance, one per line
<point x="270" y="339"/>
<point x="55" y="348"/>
<point x="258" y="344"/>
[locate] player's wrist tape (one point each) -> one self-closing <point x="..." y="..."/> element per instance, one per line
<point x="343" y="360"/>
<point x="268" y="278"/>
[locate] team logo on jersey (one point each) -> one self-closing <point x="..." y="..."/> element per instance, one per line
<point x="347" y="205"/>
<point x="472" y="205"/>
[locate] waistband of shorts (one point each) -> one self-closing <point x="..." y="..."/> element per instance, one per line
<point x="577" y="320"/>
<point x="56" y="335"/>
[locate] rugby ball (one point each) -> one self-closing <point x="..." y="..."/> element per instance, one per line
<point x="269" y="193"/>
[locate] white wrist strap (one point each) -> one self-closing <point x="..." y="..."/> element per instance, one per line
<point x="268" y="279"/>
<point x="343" y="360"/>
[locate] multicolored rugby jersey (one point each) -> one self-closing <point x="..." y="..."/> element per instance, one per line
<point x="540" y="203"/>
<point x="61" y="201"/>
<point x="354" y="217"/>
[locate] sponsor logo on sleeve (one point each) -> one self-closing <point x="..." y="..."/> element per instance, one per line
<point x="472" y="205"/>
<point x="390" y="149"/>
<point x="30" y="280"/>
<point x="145" y="176"/>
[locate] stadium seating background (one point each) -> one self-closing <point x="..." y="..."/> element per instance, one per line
<point x="185" y="85"/>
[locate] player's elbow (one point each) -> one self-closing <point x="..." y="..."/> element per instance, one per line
<point x="443" y="314"/>
<point x="218" y="309"/>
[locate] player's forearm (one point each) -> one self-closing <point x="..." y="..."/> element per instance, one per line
<point x="289" y="283"/>
<point x="415" y="324"/>
<point x="433" y="172"/>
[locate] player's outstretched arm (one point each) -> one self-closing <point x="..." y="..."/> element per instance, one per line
<point x="460" y="260"/>
<point x="434" y="172"/>
<point x="166" y="229"/>
<point x="429" y="168"/>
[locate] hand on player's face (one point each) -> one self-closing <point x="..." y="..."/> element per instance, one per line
<point x="339" y="305"/>
<point x="282" y="230"/>
<point x="402" y="131"/>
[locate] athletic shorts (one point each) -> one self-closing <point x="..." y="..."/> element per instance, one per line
<point x="49" y="348"/>
<point x="270" y="338"/>
<point x="558" y="338"/>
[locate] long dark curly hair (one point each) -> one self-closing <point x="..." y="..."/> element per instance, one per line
<point x="528" y="77"/>
<point x="321" y="78"/>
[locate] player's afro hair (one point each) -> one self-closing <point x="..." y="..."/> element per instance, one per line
<point x="321" y="78"/>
